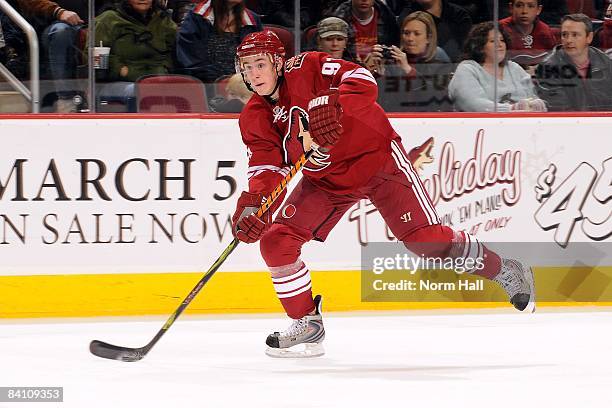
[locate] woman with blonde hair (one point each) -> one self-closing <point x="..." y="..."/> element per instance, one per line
<point x="419" y="38"/>
<point x="416" y="75"/>
<point x="236" y="96"/>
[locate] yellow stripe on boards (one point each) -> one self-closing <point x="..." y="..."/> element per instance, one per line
<point x="245" y="292"/>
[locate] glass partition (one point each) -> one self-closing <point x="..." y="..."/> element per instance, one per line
<point x="177" y="56"/>
<point x="547" y="55"/>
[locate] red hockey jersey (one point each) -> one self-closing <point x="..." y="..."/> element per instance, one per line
<point x="538" y="43"/>
<point x="271" y="131"/>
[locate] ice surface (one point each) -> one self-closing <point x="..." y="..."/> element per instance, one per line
<point x="550" y="359"/>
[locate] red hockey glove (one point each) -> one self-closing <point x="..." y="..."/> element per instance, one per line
<point x="245" y="224"/>
<point x="324" y="113"/>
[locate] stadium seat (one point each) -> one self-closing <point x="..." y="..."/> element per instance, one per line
<point x="220" y="85"/>
<point x="170" y="94"/>
<point x="285" y="36"/>
<point x="309" y="38"/>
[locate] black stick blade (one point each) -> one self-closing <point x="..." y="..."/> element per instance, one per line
<point x="105" y="350"/>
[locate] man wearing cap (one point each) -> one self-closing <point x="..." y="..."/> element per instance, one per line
<point x="333" y="37"/>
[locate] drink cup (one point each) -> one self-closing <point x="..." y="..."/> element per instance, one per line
<point x="100" y="57"/>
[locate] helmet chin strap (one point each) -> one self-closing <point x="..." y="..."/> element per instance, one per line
<point x="279" y="81"/>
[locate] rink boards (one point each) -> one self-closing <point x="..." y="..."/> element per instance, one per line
<point x="119" y="216"/>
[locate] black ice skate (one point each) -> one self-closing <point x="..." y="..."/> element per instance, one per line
<point x="517" y="281"/>
<point x="303" y="338"/>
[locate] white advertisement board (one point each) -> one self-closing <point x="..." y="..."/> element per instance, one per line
<point x="156" y="195"/>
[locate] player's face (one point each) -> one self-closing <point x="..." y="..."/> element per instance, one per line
<point x="490" y="50"/>
<point x="524" y="12"/>
<point x="574" y="38"/>
<point x="260" y="73"/>
<point x="414" y="37"/>
<point x="334" y="45"/>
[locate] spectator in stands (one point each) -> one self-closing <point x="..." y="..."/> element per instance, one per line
<point x="320" y="9"/>
<point x="372" y="22"/>
<point x="13" y="48"/>
<point x="418" y="77"/>
<point x="530" y="38"/>
<point x="477" y="78"/>
<point x="208" y="38"/>
<point x="576" y="76"/>
<point x="59" y="24"/>
<point x="452" y="22"/>
<point x="552" y="11"/>
<point x="141" y="38"/>
<point x="237" y="95"/>
<point x="603" y="36"/>
<point x="328" y="7"/>
<point x="333" y="38"/>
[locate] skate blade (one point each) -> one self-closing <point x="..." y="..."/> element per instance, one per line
<point x="307" y="350"/>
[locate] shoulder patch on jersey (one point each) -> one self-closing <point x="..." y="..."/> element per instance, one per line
<point x="295" y="62"/>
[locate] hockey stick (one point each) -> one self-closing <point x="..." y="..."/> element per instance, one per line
<point x="106" y="350"/>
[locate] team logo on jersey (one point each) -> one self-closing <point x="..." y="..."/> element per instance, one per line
<point x="288" y="211"/>
<point x="297" y="131"/>
<point x="280" y="113"/>
<point x="297" y="128"/>
<point x="319" y="159"/>
<point x="294" y="62"/>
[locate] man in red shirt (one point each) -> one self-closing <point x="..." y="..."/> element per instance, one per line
<point x="313" y="101"/>
<point x="530" y="37"/>
<point x="365" y="19"/>
<point x="372" y="22"/>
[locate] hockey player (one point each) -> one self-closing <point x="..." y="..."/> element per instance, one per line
<point x="357" y="155"/>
